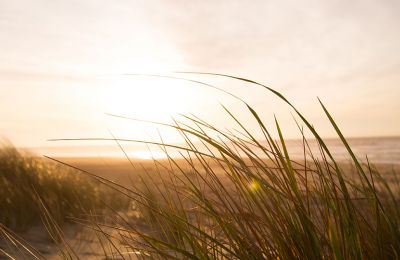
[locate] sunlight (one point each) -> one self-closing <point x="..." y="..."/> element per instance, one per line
<point x="254" y="186"/>
<point x="149" y="155"/>
<point x="148" y="98"/>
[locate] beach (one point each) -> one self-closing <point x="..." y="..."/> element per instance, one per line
<point x="128" y="173"/>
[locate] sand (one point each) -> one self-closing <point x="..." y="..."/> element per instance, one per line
<point x="84" y="242"/>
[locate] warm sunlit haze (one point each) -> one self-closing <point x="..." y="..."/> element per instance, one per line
<point x="224" y="129"/>
<point x="64" y="66"/>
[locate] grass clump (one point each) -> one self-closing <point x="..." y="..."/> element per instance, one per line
<point x="233" y="196"/>
<point x="29" y="184"/>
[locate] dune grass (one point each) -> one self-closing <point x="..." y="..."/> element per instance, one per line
<point x="234" y="196"/>
<point x="237" y="197"/>
<point x="29" y="183"/>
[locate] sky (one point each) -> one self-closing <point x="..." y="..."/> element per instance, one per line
<point x="64" y="63"/>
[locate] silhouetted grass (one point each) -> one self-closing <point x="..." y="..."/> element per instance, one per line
<point x="236" y="197"/>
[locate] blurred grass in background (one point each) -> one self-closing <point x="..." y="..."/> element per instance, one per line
<point x="64" y="191"/>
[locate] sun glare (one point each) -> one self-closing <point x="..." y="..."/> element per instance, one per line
<point x="148" y="98"/>
<point x="148" y="155"/>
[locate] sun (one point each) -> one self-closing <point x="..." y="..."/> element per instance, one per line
<point x="148" y="98"/>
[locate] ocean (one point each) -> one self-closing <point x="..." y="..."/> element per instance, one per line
<point x="380" y="150"/>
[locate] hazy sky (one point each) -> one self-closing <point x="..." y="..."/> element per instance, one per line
<point x="61" y="63"/>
